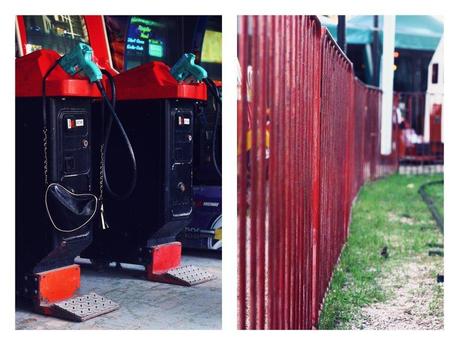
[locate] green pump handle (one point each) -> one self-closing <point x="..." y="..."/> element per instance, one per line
<point x="185" y="67"/>
<point x="81" y="59"/>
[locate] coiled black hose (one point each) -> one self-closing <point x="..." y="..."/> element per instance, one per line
<point x="216" y="93"/>
<point x="43" y="90"/>
<point x="111" y="106"/>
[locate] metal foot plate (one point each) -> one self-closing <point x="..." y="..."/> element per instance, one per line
<point x="185" y="275"/>
<point x="190" y="275"/>
<point x="84" y="307"/>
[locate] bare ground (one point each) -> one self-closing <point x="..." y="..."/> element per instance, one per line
<point x="415" y="302"/>
<point x="398" y="289"/>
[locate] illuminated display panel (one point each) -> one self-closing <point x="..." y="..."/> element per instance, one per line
<point x="58" y="32"/>
<point x="149" y="39"/>
<point x="136" y="40"/>
<point x="156" y="48"/>
<point x="212" y="47"/>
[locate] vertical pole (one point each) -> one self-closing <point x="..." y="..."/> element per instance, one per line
<point x="242" y="176"/>
<point x="261" y="82"/>
<point x="342" y="33"/>
<point x="271" y="231"/>
<point x="376" y="52"/>
<point x="254" y="166"/>
<point x="387" y="81"/>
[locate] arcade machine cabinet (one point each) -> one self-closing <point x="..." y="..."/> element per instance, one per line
<point x="205" y="228"/>
<point x="158" y="114"/>
<point x="45" y="269"/>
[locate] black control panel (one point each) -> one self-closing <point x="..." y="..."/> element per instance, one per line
<point x="70" y="128"/>
<point x="181" y="168"/>
<point x="160" y="207"/>
<point x="39" y="246"/>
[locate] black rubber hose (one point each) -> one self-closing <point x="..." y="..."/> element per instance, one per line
<point x="43" y="89"/>
<point x="44" y="105"/>
<point x="105" y="133"/>
<point x="214" y="89"/>
<point x="125" y="137"/>
<point x="111" y="105"/>
<point x="108" y="127"/>
<point x="215" y="92"/>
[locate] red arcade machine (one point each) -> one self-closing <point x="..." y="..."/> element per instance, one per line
<point x="56" y="203"/>
<point x="205" y="228"/>
<point x="158" y="114"/>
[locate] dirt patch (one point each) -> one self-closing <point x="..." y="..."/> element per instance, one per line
<point x="404" y="219"/>
<point x="415" y="302"/>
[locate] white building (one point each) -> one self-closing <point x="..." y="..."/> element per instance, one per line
<point x="434" y="93"/>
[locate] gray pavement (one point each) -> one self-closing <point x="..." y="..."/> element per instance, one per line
<point x="143" y="304"/>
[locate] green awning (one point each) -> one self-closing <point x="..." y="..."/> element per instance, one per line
<point x="411" y="32"/>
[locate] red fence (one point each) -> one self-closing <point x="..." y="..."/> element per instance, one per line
<point x="334" y="159"/>
<point x="308" y="138"/>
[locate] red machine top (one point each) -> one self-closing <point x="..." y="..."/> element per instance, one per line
<point x="153" y="81"/>
<point x="31" y="68"/>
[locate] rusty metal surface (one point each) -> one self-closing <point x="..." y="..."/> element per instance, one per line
<point x="308" y="138"/>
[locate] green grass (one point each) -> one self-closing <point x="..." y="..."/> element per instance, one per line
<point x="388" y="212"/>
<point x="435" y="191"/>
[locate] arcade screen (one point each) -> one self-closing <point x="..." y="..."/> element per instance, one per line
<point x="135" y="40"/>
<point x="59" y="33"/>
<point x="211" y="50"/>
<point x="212" y="47"/>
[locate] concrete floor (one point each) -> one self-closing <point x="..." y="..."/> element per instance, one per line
<point x="144" y="304"/>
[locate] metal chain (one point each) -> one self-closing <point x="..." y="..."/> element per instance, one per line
<point x="101" y="173"/>
<point x="45" y="154"/>
<point x="45" y="164"/>
<point x="101" y="188"/>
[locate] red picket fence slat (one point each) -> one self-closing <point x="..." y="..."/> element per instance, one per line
<point x="308" y="138"/>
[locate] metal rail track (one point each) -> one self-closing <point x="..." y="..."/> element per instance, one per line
<point x="431" y="203"/>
